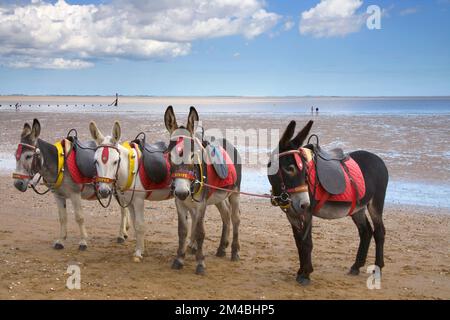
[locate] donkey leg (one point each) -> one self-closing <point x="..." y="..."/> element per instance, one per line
<point x="137" y="211"/>
<point x="192" y="245"/>
<point x="365" y="235"/>
<point x="200" y="237"/>
<point x="304" y="247"/>
<point x="123" y="233"/>
<point x="178" y="263"/>
<point x="224" y="210"/>
<point x="62" y="217"/>
<point x="236" y="220"/>
<point x="76" y="202"/>
<point x="376" y="211"/>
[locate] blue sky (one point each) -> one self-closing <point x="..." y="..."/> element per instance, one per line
<point x="264" y="56"/>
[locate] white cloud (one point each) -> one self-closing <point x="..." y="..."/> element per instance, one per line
<point x="236" y="55"/>
<point x="331" y="18"/>
<point x="288" y="25"/>
<point x="60" y="35"/>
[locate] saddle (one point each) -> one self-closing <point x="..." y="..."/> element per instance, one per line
<point x="329" y="169"/>
<point x="155" y="164"/>
<point x="217" y="160"/>
<point x="84" y="156"/>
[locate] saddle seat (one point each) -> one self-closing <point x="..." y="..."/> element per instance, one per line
<point x="85" y="156"/>
<point x="215" y="156"/>
<point x="154" y="160"/>
<point x="329" y="169"/>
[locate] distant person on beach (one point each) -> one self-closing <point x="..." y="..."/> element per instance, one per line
<point x="317" y="110"/>
<point x="17" y="105"/>
<point x="312" y="109"/>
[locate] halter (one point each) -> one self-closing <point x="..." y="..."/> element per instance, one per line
<point x="21" y="147"/>
<point x="104" y="159"/>
<point x="285" y="195"/>
<point x="191" y="174"/>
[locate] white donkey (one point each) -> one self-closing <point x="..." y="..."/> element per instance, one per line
<point x="34" y="157"/>
<point x="119" y="170"/>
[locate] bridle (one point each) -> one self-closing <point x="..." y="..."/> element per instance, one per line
<point x="196" y="177"/>
<point x="285" y="195"/>
<point x="33" y="170"/>
<point x="104" y="159"/>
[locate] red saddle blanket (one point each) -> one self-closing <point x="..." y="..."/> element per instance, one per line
<point x="147" y="183"/>
<point x="350" y="194"/>
<point x="74" y="171"/>
<point x="215" y="180"/>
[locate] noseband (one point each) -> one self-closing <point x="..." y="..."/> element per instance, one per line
<point x="104" y="159"/>
<point x="285" y="195"/>
<point x="191" y="175"/>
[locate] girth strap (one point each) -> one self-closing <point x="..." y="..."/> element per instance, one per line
<point x="132" y="166"/>
<point x="60" y="175"/>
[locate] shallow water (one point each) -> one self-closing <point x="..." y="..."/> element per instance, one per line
<point x="237" y="105"/>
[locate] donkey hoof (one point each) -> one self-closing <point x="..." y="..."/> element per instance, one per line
<point x="353" y="272"/>
<point x="177" y="265"/>
<point x="304" y="281"/>
<point x="120" y="240"/>
<point x="235" y="256"/>
<point x="58" y="246"/>
<point x="137" y="259"/>
<point x="200" y="270"/>
<point x="82" y="247"/>
<point x="220" y="253"/>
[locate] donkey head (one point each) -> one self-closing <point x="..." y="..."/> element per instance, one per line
<point x="182" y="152"/>
<point x="26" y="155"/>
<point x="289" y="182"/>
<point x="107" y="158"/>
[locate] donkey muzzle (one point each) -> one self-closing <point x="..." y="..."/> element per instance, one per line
<point x="21" y="185"/>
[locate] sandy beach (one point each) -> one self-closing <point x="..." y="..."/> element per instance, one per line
<point x="417" y="242"/>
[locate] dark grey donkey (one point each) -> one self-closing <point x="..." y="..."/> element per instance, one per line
<point x="293" y="194"/>
<point x="188" y="155"/>
<point x="35" y="157"/>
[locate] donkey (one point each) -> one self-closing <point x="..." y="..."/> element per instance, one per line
<point x="294" y="194"/>
<point x="34" y="157"/>
<point x="192" y="195"/>
<point x="116" y="176"/>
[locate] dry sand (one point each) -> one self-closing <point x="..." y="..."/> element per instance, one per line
<point x="416" y="251"/>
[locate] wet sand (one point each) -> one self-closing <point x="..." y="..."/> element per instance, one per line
<point x="417" y="241"/>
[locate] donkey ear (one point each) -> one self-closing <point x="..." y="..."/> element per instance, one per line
<point x="35" y="130"/>
<point x="26" y="130"/>
<point x="301" y="136"/>
<point x="287" y="135"/>
<point x="95" y="133"/>
<point x="192" y="120"/>
<point x="170" y="120"/>
<point x="116" y="132"/>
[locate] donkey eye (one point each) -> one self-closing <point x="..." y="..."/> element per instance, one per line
<point x="28" y="157"/>
<point x="115" y="162"/>
<point x="290" y="170"/>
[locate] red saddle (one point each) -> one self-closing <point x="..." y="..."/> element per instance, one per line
<point x="351" y="194"/>
<point x="72" y="166"/>
<point x="147" y="183"/>
<point x="215" y="180"/>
